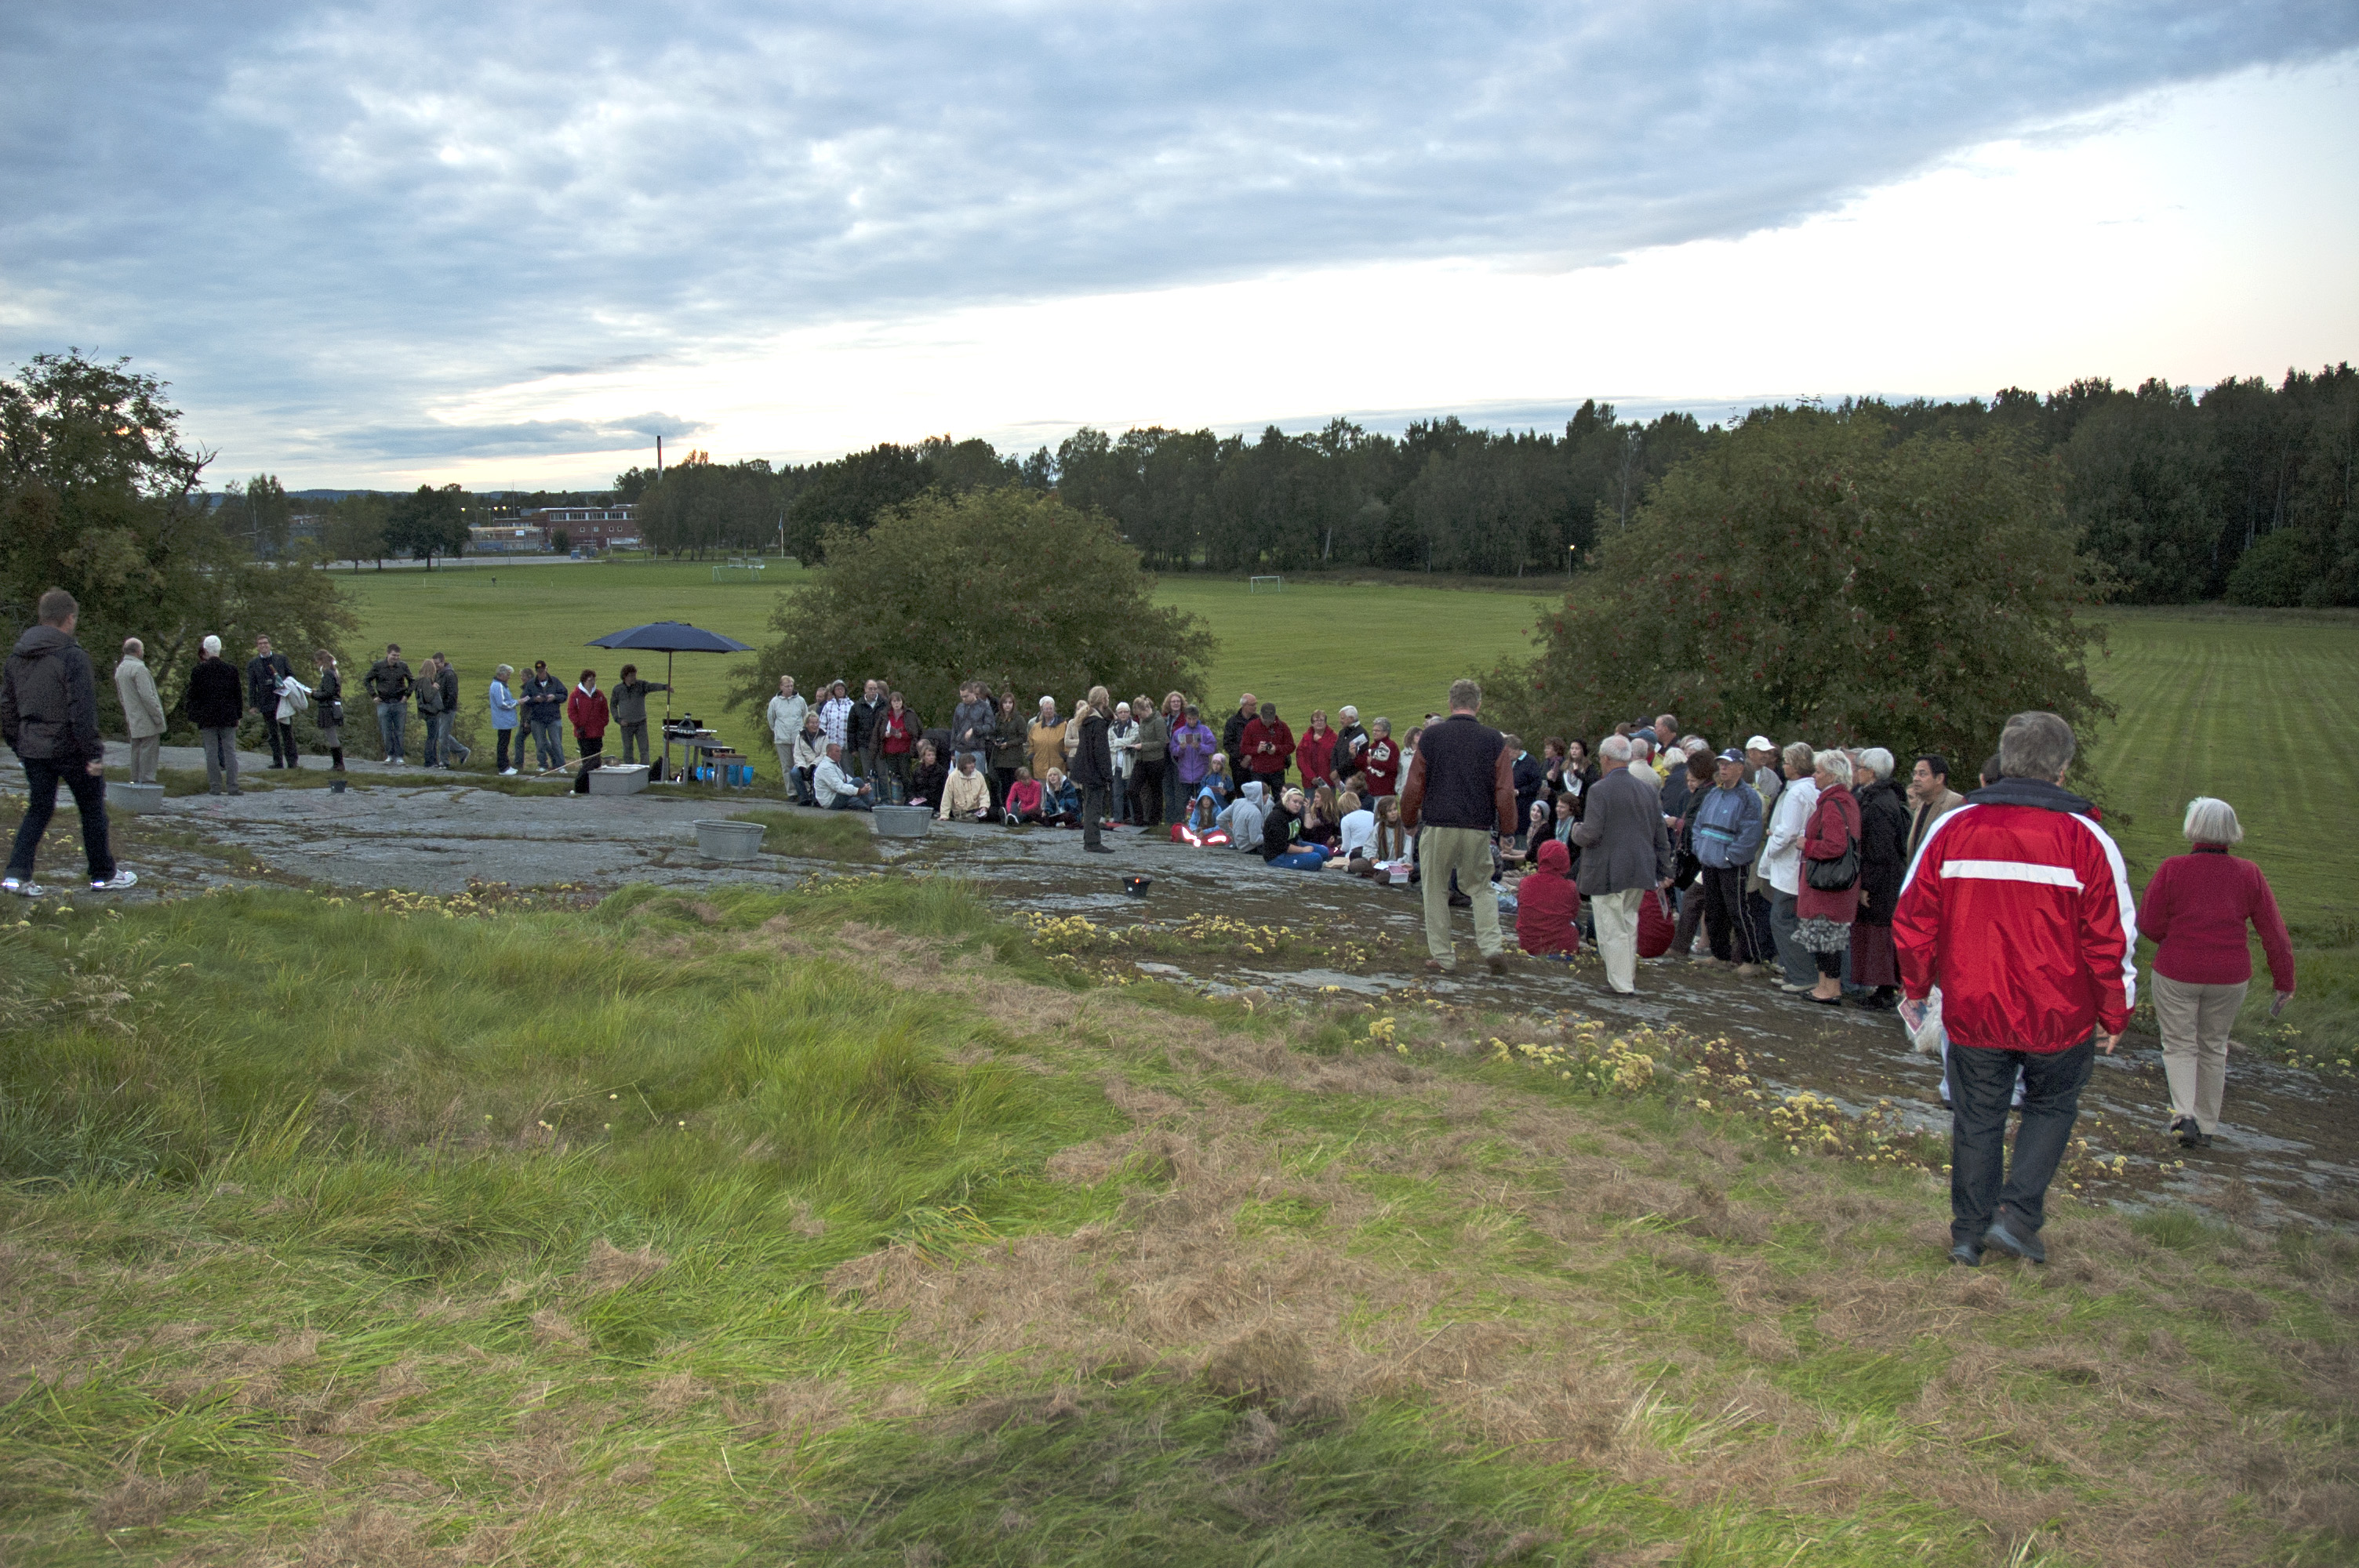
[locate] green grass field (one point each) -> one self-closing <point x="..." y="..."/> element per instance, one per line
<point x="847" y="1227"/>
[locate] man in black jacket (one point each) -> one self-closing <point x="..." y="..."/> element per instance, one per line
<point x="388" y="683"/>
<point x="1233" y="733"/>
<point x="861" y="737"/>
<point x="1093" y="767"/>
<point x="215" y="700"/>
<point x="1460" y="791"/>
<point x="48" y="715"/>
<point x="262" y="673"/>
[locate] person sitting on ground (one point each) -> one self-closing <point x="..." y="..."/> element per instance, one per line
<point x="1568" y="818"/>
<point x="1355" y="832"/>
<point x="1060" y="799"/>
<point x="833" y="790"/>
<point x="1547" y="905"/>
<point x="811" y="751"/>
<point x="1202" y="828"/>
<point x="966" y="793"/>
<point x="1321" y="818"/>
<point x="1023" y="802"/>
<point x="930" y="777"/>
<point x="1279" y="847"/>
<point x="1244" y="818"/>
<point x="1392" y="838"/>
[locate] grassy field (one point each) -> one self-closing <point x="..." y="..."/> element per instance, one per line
<point x="845" y="1227"/>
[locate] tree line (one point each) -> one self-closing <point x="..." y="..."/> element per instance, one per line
<point x="2243" y="491"/>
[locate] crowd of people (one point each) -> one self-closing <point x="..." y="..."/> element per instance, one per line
<point x="1998" y="918"/>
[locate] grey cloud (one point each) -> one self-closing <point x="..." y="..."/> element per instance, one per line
<point x="375" y="206"/>
<point x="525" y="438"/>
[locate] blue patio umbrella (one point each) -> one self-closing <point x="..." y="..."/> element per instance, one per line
<point x="669" y="637"/>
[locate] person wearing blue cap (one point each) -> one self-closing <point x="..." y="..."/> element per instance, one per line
<point x="1727" y="838"/>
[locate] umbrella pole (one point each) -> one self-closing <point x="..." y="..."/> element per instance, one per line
<point x="669" y="656"/>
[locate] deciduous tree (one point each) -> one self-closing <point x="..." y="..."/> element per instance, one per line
<point x="1810" y="578"/>
<point x="1002" y="584"/>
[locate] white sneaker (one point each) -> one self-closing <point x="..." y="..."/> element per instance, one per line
<point x="508" y="772"/>
<point x="117" y="883"/>
<point x="23" y="887"/>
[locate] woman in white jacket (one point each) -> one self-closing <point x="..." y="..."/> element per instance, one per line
<point x="1122" y="741"/>
<point x="1781" y="865"/>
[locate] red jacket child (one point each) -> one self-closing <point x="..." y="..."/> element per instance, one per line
<point x="1547" y="905"/>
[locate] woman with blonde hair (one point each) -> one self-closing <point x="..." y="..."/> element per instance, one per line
<point x="2197" y="909"/>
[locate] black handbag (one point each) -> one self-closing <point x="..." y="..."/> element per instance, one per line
<point x="1835" y="875"/>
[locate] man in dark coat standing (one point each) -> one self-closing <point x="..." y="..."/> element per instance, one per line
<point x="262" y="673"/>
<point x="1094" y="768"/>
<point x="1625" y="854"/>
<point x="48" y="715"/>
<point x="1460" y="791"/>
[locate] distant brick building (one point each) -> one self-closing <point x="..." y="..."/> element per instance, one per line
<point x="587" y="527"/>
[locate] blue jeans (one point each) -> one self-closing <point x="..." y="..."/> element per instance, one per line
<point x="853" y="803"/>
<point x="392" y="719"/>
<point x="1300" y="859"/>
<point x="42" y="777"/>
<point x="438" y="735"/>
<point x="1982" y="1081"/>
<point x="548" y="743"/>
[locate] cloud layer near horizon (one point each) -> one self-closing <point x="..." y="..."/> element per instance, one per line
<point x="339" y="220"/>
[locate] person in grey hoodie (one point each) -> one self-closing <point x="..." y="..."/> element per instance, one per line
<point x="971" y="722"/>
<point x="143" y="710"/>
<point x="49" y="715"/>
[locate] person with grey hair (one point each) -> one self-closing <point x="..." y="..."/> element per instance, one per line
<point x="1883" y="865"/>
<point x="143" y="710"/>
<point x="216" y="701"/>
<point x="1781" y="866"/>
<point x="2017" y="906"/>
<point x="1625" y="854"/>
<point x="2197" y="908"/>
<point x="1827" y="902"/>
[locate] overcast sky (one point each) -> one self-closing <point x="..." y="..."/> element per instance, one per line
<point x="511" y="243"/>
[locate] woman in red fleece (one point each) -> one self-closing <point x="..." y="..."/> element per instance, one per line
<point x="2196" y="909"/>
<point x="1548" y="905"/>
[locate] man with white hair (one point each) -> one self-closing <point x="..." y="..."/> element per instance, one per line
<point x="1625" y="855"/>
<point x="143" y="710"/>
<point x="216" y="701"/>
<point x="2018" y="907"/>
<point x="1350" y="737"/>
<point x="833" y="790"/>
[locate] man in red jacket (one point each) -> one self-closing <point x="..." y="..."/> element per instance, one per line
<point x="2018" y="907"/>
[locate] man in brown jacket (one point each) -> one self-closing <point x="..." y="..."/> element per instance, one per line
<point x="1460" y="791"/>
<point x="1931" y="798"/>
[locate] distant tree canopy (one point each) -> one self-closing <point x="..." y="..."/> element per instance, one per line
<point x="427" y="522"/>
<point x="1812" y="577"/>
<point x="999" y="585"/>
<point x="2167" y="489"/>
<point x="98" y="496"/>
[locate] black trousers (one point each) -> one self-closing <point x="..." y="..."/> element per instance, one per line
<point x="1097" y="802"/>
<point x="283" y="753"/>
<point x="1728" y="915"/>
<point x="42" y="777"/>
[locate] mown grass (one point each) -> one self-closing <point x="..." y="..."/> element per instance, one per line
<point x="2256" y="708"/>
<point x="835" y="1226"/>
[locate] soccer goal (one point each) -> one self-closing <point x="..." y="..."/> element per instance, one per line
<point x="739" y="571"/>
<point x="1265" y="584"/>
